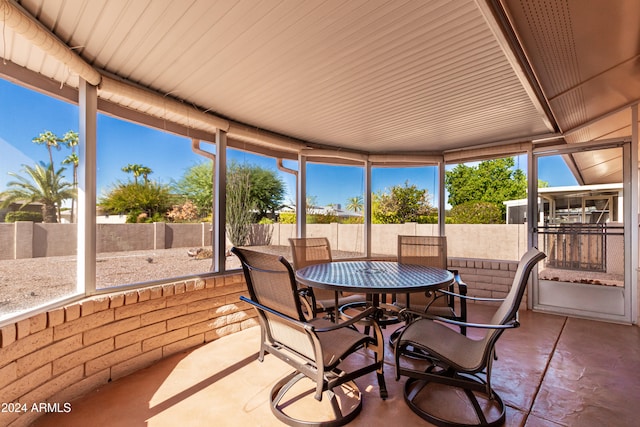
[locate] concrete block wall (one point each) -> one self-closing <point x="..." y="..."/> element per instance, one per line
<point x="58" y="355"/>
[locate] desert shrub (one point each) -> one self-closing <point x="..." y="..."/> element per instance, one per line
<point x="23" y="216"/>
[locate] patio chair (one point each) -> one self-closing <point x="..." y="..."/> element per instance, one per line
<point x="431" y="251"/>
<point x="315" y="250"/>
<point x="457" y="365"/>
<point x="315" y="348"/>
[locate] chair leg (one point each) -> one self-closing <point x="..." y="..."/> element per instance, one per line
<point x="490" y="413"/>
<point x="283" y="402"/>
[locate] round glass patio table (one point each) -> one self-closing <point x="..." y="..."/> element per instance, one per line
<point x="374" y="278"/>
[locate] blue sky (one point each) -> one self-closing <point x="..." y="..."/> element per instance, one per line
<point x="24" y="114"/>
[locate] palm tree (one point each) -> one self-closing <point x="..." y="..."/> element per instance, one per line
<point x="71" y="139"/>
<point x="50" y="139"/>
<point x="138" y="170"/>
<point x="41" y="185"/>
<point x="73" y="159"/>
<point x="145" y="172"/>
<point x="355" y="204"/>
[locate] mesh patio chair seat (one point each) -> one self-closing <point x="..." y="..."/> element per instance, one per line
<point x="456" y="365"/>
<point x="431" y="251"/>
<point x="315" y="348"/>
<point x="315" y="250"/>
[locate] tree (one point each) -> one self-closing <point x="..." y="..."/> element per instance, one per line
<point x="403" y="203"/>
<point x="493" y="181"/>
<point x="49" y="139"/>
<point x="71" y="140"/>
<point x="41" y="185"/>
<point x="196" y="185"/>
<point x="152" y="200"/>
<point x="137" y="171"/>
<point x="476" y="213"/>
<point x="355" y="204"/>
<point x="266" y="189"/>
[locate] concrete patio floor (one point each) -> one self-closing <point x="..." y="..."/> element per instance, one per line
<point x="552" y="371"/>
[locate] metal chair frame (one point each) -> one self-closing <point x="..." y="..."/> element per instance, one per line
<point x="455" y="360"/>
<point x="307" y="355"/>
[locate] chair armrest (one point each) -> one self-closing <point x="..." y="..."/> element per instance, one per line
<point x="275" y="313"/>
<point x="465" y="297"/>
<point x="309" y="326"/>
<point x="462" y="286"/>
<point x="415" y="314"/>
<point x="355" y="319"/>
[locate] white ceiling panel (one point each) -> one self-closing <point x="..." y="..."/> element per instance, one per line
<point x="374" y="76"/>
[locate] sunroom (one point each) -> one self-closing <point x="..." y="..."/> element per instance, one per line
<point x="334" y="96"/>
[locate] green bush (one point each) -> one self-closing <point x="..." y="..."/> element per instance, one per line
<point x="476" y="213"/>
<point x="23" y="216"/>
<point x="287" y="218"/>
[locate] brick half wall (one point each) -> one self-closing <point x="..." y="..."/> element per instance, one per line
<point x="487" y="278"/>
<point x="59" y="355"/>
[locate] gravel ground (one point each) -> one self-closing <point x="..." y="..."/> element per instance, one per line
<point x="26" y="283"/>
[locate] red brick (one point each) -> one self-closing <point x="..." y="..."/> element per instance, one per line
<point x="235" y="297"/>
<point x="249" y="323"/>
<point x="182" y="345"/>
<point x="207" y="326"/>
<point x="8" y="335"/>
<point x="87" y="307"/>
<point x="164" y="339"/>
<point x="110" y="359"/>
<point x="168" y="290"/>
<point x="71" y="312"/>
<point x="236" y="317"/>
<point x="221" y="332"/>
<point x="110" y="330"/>
<point x="222" y="311"/>
<point x="116" y="301"/>
<point x="48" y="354"/>
<point x="144" y="294"/>
<point x="53" y="386"/>
<point x="189" y="319"/>
<point x="101" y="303"/>
<point x="8" y="374"/>
<point x="25" y="384"/>
<point x="130" y="297"/>
<point x="81" y="356"/>
<point x="83" y="324"/>
<point x="55" y="317"/>
<point x="205" y="304"/>
<point x="155" y="292"/>
<point x="186" y="298"/>
<point x="139" y="308"/>
<point x="200" y="284"/>
<point x="163" y="314"/>
<point x="23" y="327"/>
<point x="140" y="334"/>
<point x="82" y="387"/>
<point x="179" y="288"/>
<point x="37" y="322"/>
<point x="189" y="286"/>
<point x="25" y="346"/>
